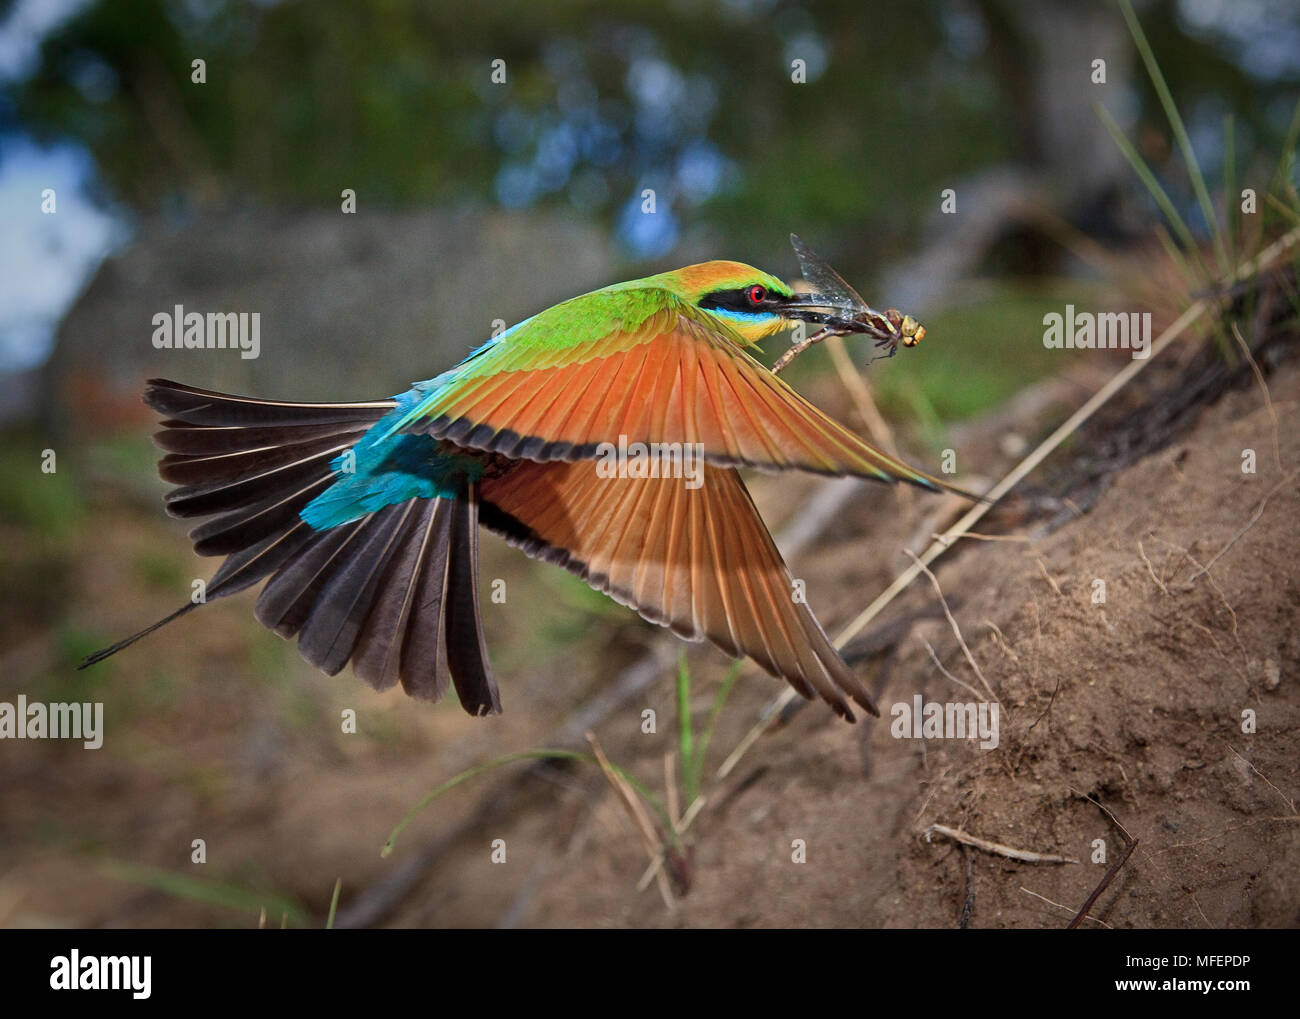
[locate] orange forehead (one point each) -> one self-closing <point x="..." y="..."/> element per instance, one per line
<point x="707" y="277"/>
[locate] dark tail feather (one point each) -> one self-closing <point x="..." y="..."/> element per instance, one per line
<point x="396" y="592"/>
<point x="249" y="479"/>
<point x="381" y="656"/>
<point x="257" y="463"/>
<point x="330" y="632"/>
<point x="466" y="650"/>
<point x="287" y="599"/>
<point x="222" y="410"/>
<point x="126" y="642"/>
<point x="424" y="670"/>
<point x="253" y="463"/>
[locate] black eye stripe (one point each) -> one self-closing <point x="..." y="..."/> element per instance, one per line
<point x="735" y="300"/>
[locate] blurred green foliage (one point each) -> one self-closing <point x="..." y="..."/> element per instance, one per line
<point x="48" y="507"/>
<point x="694" y="99"/>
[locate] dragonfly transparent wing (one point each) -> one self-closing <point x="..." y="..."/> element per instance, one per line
<point x="826" y="281"/>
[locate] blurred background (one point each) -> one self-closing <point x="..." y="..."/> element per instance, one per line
<point x="501" y="157"/>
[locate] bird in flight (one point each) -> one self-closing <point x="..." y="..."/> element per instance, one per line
<point x="363" y="518"/>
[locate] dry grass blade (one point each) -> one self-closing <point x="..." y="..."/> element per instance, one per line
<point x="1254" y="519"/>
<point x="878" y="429"/>
<point x="1067" y="909"/>
<point x="1151" y="570"/>
<point x="976" y="536"/>
<point x="957" y="631"/>
<point x="939" y="665"/>
<point x="636" y="811"/>
<point x="1283" y="796"/>
<point x="997" y="848"/>
<point x="1268" y="400"/>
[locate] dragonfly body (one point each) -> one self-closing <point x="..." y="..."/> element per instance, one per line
<point x="849" y="312"/>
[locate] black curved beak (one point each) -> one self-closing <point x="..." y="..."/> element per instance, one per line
<point x="810" y="301"/>
<point x="819" y="309"/>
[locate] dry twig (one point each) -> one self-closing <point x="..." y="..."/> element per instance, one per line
<point x="1151" y="570"/>
<point x="997" y="848"/>
<point x="1091" y="900"/>
<point x="939" y="665"/>
<point x="957" y="630"/>
<point x="1066" y="908"/>
<point x="1130" y="843"/>
<point x="1285" y="799"/>
<point x="1259" y="512"/>
<point x="632" y="803"/>
<point x="1268" y="400"/>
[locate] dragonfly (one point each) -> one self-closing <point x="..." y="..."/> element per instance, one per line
<point x="847" y="313"/>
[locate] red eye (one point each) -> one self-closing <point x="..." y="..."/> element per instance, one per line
<point x="756" y="294"/>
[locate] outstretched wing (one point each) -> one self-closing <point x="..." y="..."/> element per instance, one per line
<point x="698" y="560"/>
<point x="651" y="368"/>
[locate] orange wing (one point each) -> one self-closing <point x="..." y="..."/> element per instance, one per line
<point x="676" y="379"/>
<point x="700" y="561"/>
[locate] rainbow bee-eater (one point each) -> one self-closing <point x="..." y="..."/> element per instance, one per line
<point x="362" y="518"/>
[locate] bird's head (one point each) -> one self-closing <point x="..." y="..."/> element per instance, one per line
<point x="753" y="303"/>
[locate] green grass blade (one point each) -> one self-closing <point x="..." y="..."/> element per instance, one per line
<point x="334" y="904"/>
<point x="522" y="755"/>
<point x="208" y="892"/>
<point x="1286" y="161"/>
<point x="719" y="700"/>
<point x="1158" y="193"/>
<point x="1176" y="256"/>
<point x="1180" y="134"/>
<point x="685" y="734"/>
<point x="1231" y="201"/>
<point x="1286" y="211"/>
<point x="468" y="773"/>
